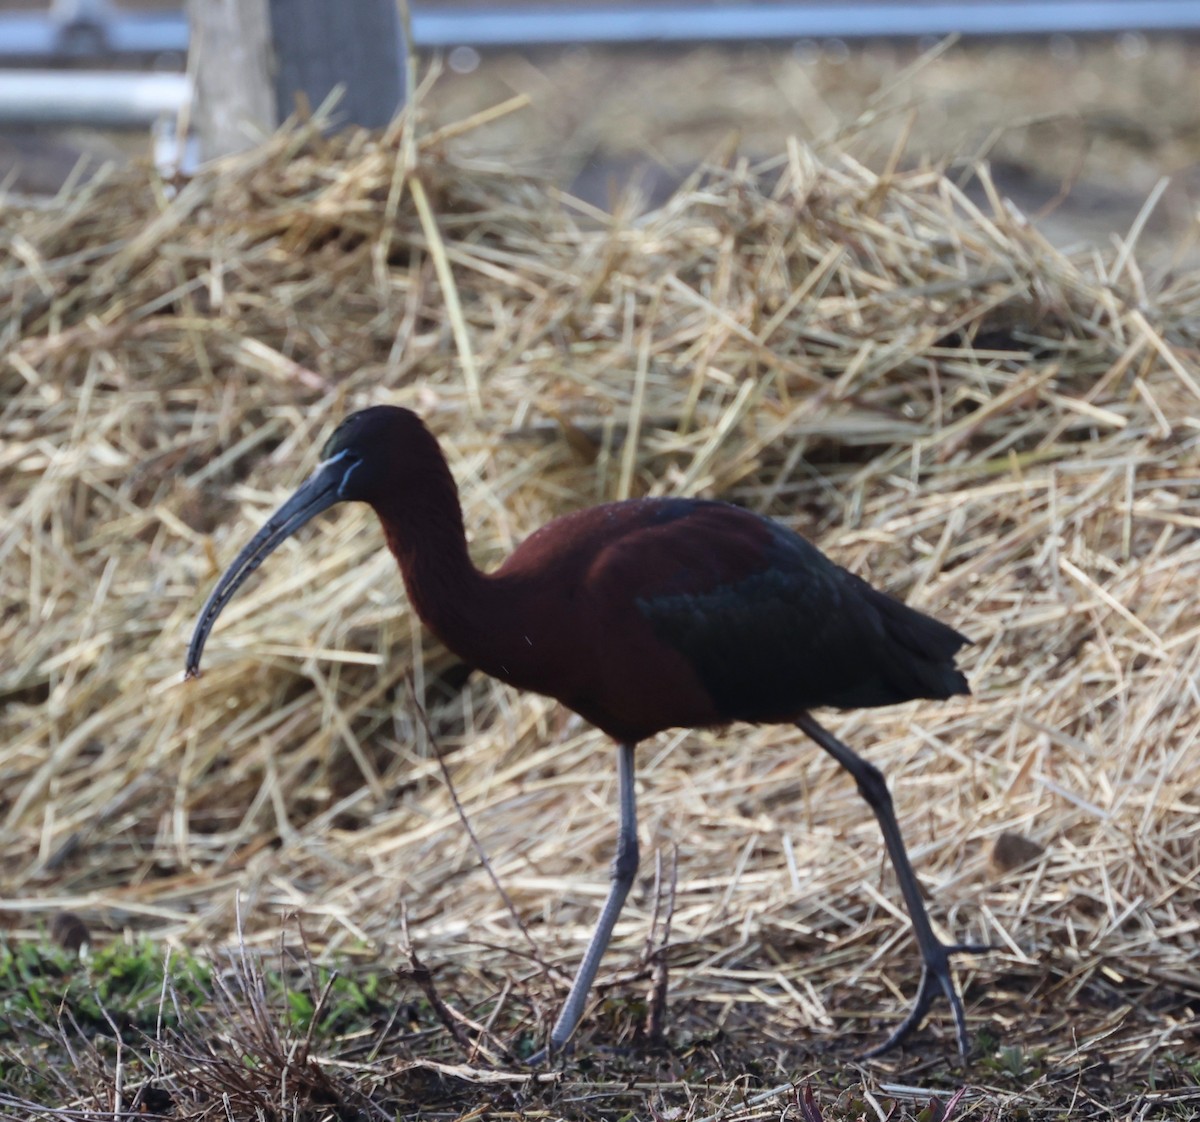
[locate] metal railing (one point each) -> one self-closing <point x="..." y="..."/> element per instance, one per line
<point x="87" y="29"/>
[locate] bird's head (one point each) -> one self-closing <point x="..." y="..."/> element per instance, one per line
<point x="368" y="453"/>
<point x="363" y="458"/>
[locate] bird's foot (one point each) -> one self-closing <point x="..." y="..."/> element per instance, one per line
<point x="935" y="977"/>
<point x="543" y="1057"/>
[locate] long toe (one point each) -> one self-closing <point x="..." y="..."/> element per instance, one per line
<point x="936" y="977"/>
<point x="926" y="992"/>
<point x="545" y="1057"/>
<point x="956" y="1007"/>
<point x="538" y="1059"/>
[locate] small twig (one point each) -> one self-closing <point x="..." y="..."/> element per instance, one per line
<point x="656" y="1000"/>
<point x="453" y="1021"/>
<point x="119" y="1073"/>
<point x="479" y="850"/>
<point x="419" y="974"/>
<point x="319" y="1006"/>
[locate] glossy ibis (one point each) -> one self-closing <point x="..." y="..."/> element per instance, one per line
<point x="641" y="615"/>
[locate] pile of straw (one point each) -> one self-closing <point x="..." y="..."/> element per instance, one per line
<point x="1003" y="436"/>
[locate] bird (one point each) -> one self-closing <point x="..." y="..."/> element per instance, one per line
<point x="642" y="615"/>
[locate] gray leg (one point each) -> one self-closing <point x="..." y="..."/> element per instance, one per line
<point x="935" y="955"/>
<point x="624" y="868"/>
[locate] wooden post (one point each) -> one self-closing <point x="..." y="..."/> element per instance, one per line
<point x="230" y="55"/>
<point x="251" y="59"/>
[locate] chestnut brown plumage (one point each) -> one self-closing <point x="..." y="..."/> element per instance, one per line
<point x="641" y="615"/>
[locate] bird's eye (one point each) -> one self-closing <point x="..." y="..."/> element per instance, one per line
<point x="339" y="437"/>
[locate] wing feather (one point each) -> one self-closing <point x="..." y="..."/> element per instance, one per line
<point x="772" y="627"/>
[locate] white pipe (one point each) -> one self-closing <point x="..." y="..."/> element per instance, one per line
<point x="99" y="98"/>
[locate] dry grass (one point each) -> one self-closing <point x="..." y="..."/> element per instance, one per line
<point x="1005" y="436"/>
<point x="1109" y="117"/>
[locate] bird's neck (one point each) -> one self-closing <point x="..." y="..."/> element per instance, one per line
<point x="425" y="532"/>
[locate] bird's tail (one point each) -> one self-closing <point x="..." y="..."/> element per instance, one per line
<point x="920" y="655"/>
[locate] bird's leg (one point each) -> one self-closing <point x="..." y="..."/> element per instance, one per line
<point x="935" y="955"/>
<point x="624" y="868"/>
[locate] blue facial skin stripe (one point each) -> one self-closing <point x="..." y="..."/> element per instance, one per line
<point x="346" y="479"/>
<point x="349" y="471"/>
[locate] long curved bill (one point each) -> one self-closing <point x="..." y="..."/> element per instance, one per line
<point x="318" y="492"/>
